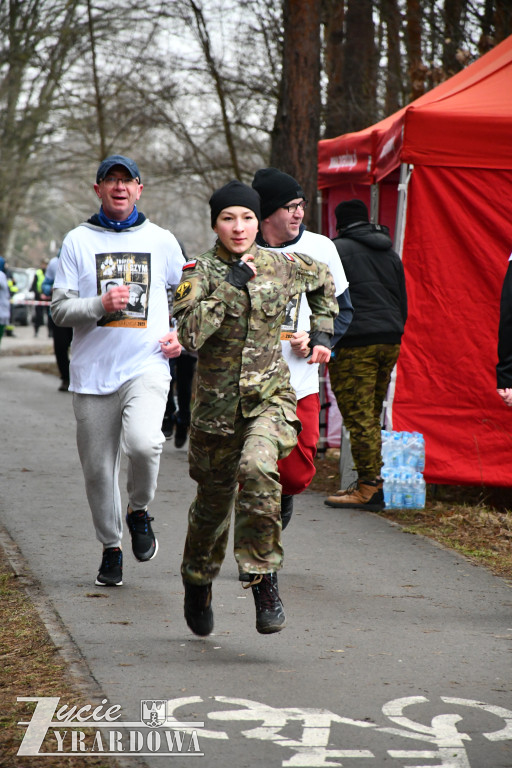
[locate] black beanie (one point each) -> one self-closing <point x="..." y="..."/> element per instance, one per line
<point x="275" y="189"/>
<point x="234" y="193"/>
<point x="350" y="211"/>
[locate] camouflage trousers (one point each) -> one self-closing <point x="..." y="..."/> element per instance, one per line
<point x="359" y="379"/>
<point x="238" y="471"/>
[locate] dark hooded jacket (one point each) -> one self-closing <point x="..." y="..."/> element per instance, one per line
<point x="504" y="367"/>
<point x="377" y="285"/>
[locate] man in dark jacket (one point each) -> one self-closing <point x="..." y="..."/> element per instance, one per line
<point x="367" y="353"/>
<point x="504" y="367"/>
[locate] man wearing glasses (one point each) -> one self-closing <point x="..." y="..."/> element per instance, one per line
<point x="119" y="371"/>
<point x="282" y="210"/>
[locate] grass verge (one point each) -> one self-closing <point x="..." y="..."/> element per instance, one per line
<point x="30" y="666"/>
<point x="477" y="522"/>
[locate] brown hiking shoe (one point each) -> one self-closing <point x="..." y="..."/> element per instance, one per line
<point x="360" y="495"/>
<point x="343" y="491"/>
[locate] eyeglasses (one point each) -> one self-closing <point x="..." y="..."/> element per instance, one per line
<point x="294" y="206"/>
<point x="112" y="181"/>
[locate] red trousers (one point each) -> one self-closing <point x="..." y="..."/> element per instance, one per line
<point x="297" y="470"/>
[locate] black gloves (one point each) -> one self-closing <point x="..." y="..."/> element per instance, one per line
<point x="320" y="339"/>
<point x="239" y="274"/>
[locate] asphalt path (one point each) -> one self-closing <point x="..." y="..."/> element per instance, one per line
<point x="396" y="651"/>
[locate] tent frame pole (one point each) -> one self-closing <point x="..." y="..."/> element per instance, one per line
<point x="401" y="208"/>
<point x="401" y="212"/>
<point x="374" y="203"/>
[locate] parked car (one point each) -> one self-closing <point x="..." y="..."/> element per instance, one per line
<point x="21" y="312"/>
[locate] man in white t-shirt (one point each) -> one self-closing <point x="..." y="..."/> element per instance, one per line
<point x="282" y="211"/>
<point x="119" y="371"/>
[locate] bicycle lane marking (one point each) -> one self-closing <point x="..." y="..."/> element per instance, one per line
<point x="312" y="751"/>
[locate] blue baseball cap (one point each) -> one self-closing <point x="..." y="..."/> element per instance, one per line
<point x="109" y="162"/>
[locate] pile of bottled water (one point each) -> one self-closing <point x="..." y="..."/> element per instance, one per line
<point x="403" y="454"/>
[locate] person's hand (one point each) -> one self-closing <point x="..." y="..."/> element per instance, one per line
<point x="299" y="343"/>
<point x="320" y="354"/>
<point x="506" y="395"/>
<point x="116" y="298"/>
<point x="170" y="345"/>
<point x="248" y="258"/>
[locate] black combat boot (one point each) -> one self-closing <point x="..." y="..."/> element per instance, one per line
<point x="269" y="608"/>
<point x="198" y="608"/>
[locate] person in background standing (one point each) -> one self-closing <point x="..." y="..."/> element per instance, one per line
<point x="13" y="289"/>
<point x="183" y="367"/>
<point x="36" y="288"/>
<point x="504" y="366"/>
<point x="5" y="299"/>
<point x="366" y="355"/>
<point x="177" y="421"/>
<point x="62" y="337"/>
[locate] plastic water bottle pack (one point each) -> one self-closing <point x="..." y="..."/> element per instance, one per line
<point x="403" y="454"/>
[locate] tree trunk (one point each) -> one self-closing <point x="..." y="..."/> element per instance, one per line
<point x="98" y="95"/>
<point x="391" y="18"/>
<point x="359" y="67"/>
<point x="503" y="19"/>
<point x="333" y="13"/>
<point x="453" y="36"/>
<point x="204" y="39"/>
<point x="417" y="70"/>
<point x="297" y="124"/>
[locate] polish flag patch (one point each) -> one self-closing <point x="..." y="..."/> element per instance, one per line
<point x="289" y="256"/>
<point x="190" y="264"/>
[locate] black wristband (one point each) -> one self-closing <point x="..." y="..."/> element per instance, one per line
<point x="239" y="274"/>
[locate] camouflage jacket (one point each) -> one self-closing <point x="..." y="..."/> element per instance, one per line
<point x="237" y="332"/>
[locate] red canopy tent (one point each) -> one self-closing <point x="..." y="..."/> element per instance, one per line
<point x="439" y="174"/>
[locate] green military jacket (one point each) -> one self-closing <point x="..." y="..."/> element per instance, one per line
<point x="236" y="332"/>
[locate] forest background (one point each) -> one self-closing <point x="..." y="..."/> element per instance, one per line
<point x="199" y="92"/>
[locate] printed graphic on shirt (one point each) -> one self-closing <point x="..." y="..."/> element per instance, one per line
<point x="133" y="270"/>
<point x="291" y="319"/>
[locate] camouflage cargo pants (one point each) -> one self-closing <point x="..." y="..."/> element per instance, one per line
<point x="359" y="380"/>
<point x="238" y="471"/>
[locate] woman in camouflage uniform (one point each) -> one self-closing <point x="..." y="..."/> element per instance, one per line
<point x="229" y="308"/>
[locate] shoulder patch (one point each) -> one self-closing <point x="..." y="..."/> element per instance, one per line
<point x="182" y="291"/>
<point x="190" y="264"/>
<point x="305" y="258"/>
<point x="289" y="256"/>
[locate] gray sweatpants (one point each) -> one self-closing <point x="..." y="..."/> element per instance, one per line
<point x="131" y="419"/>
